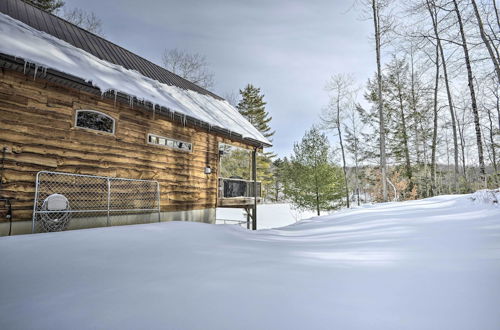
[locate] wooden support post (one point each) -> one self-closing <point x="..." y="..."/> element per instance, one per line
<point x="247" y="210"/>
<point x="254" y="178"/>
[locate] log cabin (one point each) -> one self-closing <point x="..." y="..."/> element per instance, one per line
<point x="93" y="134"/>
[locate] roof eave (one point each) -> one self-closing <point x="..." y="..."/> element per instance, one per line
<point x="55" y="76"/>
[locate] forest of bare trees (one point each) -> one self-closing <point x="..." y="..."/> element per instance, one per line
<point x="428" y="122"/>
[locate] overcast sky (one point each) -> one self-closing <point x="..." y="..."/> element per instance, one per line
<point x="287" y="48"/>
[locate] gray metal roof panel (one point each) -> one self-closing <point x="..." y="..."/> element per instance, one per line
<point x="94" y="44"/>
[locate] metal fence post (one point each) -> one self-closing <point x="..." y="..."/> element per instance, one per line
<point x="159" y="207"/>
<point x="35" y="202"/>
<point x="109" y="200"/>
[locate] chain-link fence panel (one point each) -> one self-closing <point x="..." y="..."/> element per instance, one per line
<point x="65" y="201"/>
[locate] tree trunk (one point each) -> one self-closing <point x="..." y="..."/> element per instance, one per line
<point x="405" y="137"/>
<point x="496" y="92"/>
<point x="424" y="152"/>
<point x="316" y="182"/>
<point x="435" y="126"/>
<point x="487" y="43"/>
<point x="496" y="13"/>
<point x="493" y="147"/>
<point x="462" y="147"/>
<point x="342" y="149"/>
<point x="434" y="18"/>
<point x="414" y="107"/>
<point x="356" y="159"/>
<point x="277" y="190"/>
<point x="477" y="125"/>
<point x="383" y="166"/>
<point x="317" y="201"/>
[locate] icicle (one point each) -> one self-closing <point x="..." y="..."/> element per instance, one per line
<point x="36" y="69"/>
<point x="154" y="112"/>
<point x="115" y="96"/>
<point x="24" y="70"/>
<point x="45" y="71"/>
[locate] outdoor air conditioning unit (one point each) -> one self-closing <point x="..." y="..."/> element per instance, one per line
<point x="55" y="214"/>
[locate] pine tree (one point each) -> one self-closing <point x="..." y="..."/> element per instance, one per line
<point x="407" y="107"/>
<point x="397" y="92"/>
<point x="310" y="179"/>
<point x="47" y="5"/>
<point x="277" y="171"/>
<point x="252" y="107"/>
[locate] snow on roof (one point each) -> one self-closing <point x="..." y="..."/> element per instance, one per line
<point x="22" y="41"/>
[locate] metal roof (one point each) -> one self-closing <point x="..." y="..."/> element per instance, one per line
<point x="93" y="44"/>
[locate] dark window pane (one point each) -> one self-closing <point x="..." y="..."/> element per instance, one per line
<point x="94" y="120"/>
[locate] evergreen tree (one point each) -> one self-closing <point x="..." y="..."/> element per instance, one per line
<point x="252" y="107"/>
<point x="310" y="179"/>
<point x="265" y="173"/>
<point x="235" y="162"/>
<point x="277" y="171"/>
<point x="407" y="107"/>
<point x="47" y="5"/>
<point x="397" y="92"/>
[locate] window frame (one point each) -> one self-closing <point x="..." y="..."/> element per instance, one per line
<point x="166" y="145"/>
<point x="95" y="130"/>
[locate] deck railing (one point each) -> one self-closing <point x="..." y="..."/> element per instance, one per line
<point x="233" y="188"/>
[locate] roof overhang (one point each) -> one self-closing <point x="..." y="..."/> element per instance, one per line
<point x="61" y="78"/>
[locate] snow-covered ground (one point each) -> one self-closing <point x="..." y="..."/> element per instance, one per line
<point x="427" y="264"/>
<point x="268" y="215"/>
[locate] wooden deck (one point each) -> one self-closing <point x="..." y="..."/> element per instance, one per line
<point x="237" y="193"/>
<point x="236" y="202"/>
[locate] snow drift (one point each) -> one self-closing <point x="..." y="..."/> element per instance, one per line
<point x="22" y="41"/>
<point x="487" y="196"/>
<point x="427" y="264"/>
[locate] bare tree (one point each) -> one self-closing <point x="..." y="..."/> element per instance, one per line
<point x="232" y="98"/>
<point x="435" y="124"/>
<point x="341" y="92"/>
<point x="494" y="90"/>
<point x="86" y="20"/>
<point x="470" y="78"/>
<point x="50" y="6"/>
<point x="379" y="29"/>
<point x="190" y="66"/>
<point x="486" y="40"/>
<point x="432" y="8"/>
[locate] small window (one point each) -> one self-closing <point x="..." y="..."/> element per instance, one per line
<point x="171" y="143"/>
<point x="95" y="120"/>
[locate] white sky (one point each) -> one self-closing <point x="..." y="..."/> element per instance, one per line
<point x="287" y="48"/>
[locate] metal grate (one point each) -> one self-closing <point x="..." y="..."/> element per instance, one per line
<point x="71" y="201"/>
<point x="232" y="187"/>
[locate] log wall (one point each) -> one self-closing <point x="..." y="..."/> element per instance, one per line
<point x="37" y="126"/>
